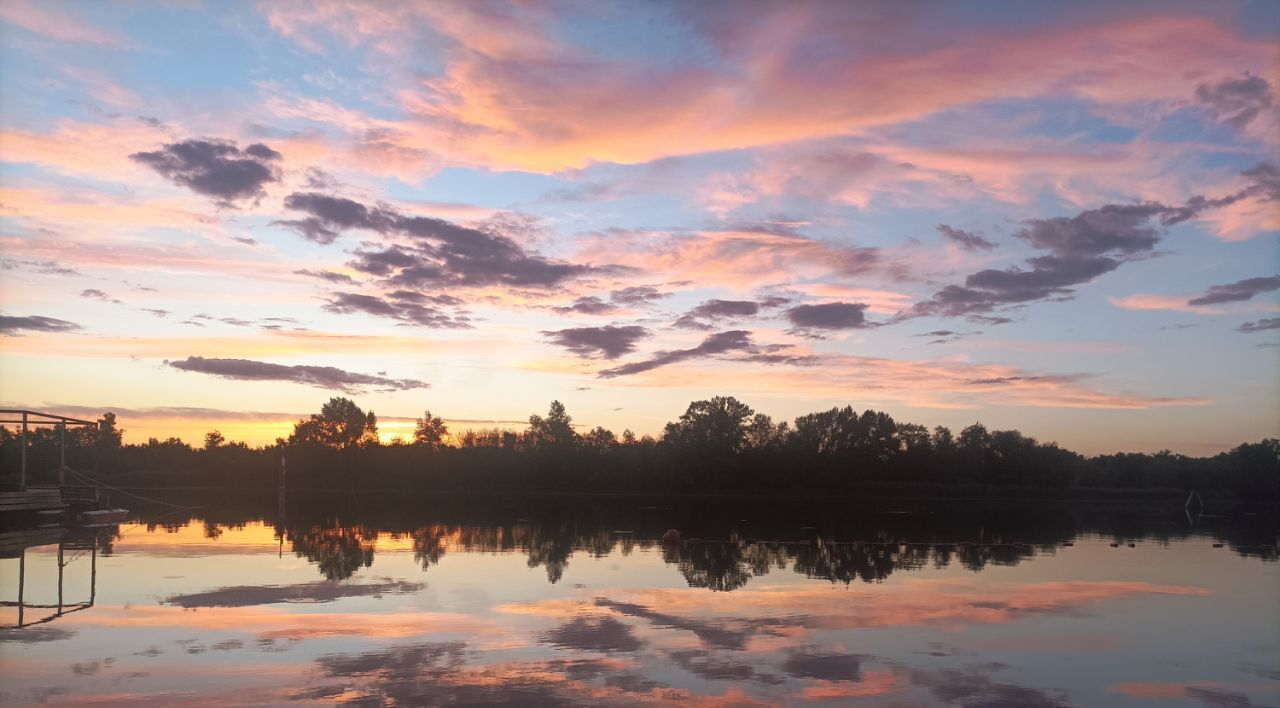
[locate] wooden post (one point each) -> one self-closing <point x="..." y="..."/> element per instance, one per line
<point x="22" y="481"/>
<point x="62" y="451"/>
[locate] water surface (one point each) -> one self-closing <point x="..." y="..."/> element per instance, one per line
<point x="376" y="601"/>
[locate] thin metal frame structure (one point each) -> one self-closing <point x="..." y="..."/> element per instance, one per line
<point x="62" y="608"/>
<point x="33" y="418"/>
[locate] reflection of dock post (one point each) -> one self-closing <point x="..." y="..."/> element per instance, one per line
<point x="93" y="572"/>
<point x="14" y="545"/>
<point x="22" y="580"/>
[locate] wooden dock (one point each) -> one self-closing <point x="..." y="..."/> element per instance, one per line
<point x="32" y="499"/>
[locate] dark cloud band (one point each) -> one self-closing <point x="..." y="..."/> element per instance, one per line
<point x="718" y="343"/>
<point x="327" y="377"/>
<point x="829" y="316"/>
<point x="1238" y="291"/>
<point x="440" y="253"/>
<point x="10" y="325"/>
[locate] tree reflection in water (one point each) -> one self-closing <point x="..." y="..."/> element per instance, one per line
<point x="725" y="545"/>
<point x="337" y="551"/>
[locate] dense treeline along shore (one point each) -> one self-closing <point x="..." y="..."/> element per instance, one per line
<point x="718" y="446"/>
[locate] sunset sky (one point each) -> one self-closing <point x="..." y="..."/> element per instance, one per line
<point x="1056" y="217"/>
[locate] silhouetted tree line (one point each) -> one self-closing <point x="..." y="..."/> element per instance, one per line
<point x="717" y="446"/>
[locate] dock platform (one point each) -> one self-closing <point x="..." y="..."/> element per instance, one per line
<point x="32" y="499"/>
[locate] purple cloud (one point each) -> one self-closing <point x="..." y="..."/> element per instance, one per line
<point x="718" y="343"/>
<point x="11" y="326"/>
<point x="327" y="377"/>
<point x="215" y="168"/>
<point x="830" y="315"/>
<point x="609" y="342"/>
<point x="967" y="240"/>
<point x="1238" y="291"/>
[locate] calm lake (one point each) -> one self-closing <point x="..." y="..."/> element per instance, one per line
<point x="380" y="601"/>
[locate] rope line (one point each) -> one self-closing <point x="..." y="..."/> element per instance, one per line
<point x="104" y="485"/>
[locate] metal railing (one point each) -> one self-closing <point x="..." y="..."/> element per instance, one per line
<point x="35" y="418"/>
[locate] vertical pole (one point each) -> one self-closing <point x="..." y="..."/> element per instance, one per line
<point x="62" y="451"/>
<point x="93" y="572"/>
<point x="60" y="566"/>
<point x="22" y="580"/>
<point x="22" y="481"/>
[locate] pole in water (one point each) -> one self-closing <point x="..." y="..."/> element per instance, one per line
<point x="22" y="581"/>
<point x="93" y="572"/>
<point x="280" y="509"/>
<point x="61" y="565"/>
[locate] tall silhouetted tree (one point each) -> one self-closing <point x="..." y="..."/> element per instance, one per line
<point x="974" y="451"/>
<point x="341" y="424"/>
<point x="553" y="431"/>
<point x="714" y="427"/>
<point x="600" y="439"/>
<point x="830" y="433"/>
<point x="430" y="432"/>
<point x="214" y="440"/>
<point x="107" y="442"/>
<point x="109" y="436"/>
<point x="762" y="434"/>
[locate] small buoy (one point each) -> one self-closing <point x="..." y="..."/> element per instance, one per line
<point x="671" y="536"/>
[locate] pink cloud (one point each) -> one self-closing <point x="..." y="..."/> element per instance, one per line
<point x="1153" y="690"/>
<point x="271" y="623"/>
<point x="529" y="100"/>
<point x="1176" y="303"/>
<point x="732" y="258"/>
<point x="101" y="86"/>
<point x="83" y="148"/>
<point x="44" y="19"/>
<point x="561" y="109"/>
<point x="82" y="208"/>
<point x="954" y="603"/>
<point x="872" y="683"/>
<point x="923" y="383"/>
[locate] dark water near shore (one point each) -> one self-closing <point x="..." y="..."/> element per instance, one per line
<point x="377" y="600"/>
